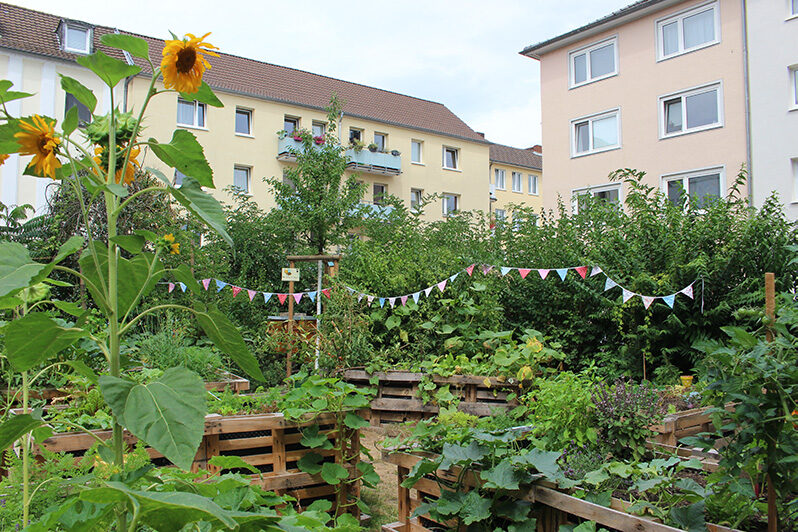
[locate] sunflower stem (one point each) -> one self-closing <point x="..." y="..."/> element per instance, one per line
<point x="137" y="125"/>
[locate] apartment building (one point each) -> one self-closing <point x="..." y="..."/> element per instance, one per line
<point x="515" y="178"/>
<point x="422" y="147"/>
<point x="658" y="86"/>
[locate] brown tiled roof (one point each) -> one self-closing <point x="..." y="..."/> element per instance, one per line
<point x="515" y="156"/>
<point x="35" y="32"/>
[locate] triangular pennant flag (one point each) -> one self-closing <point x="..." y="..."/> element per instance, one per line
<point x="350" y="289"/>
<point x="206" y="283"/>
<point x="298" y="297"/>
<point x="688" y="291"/>
<point x="171" y="287"/>
<point x="392" y="301"/>
<point x="404" y="300"/>
<point x="236" y="290"/>
<point x="312" y="296"/>
<point x="416" y="296"/>
<point x="220" y="285"/>
<point x="470" y="269"/>
<point x="267" y="296"/>
<point x="669" y="300"/>
<point x="360" y="297"/>
<point x="251" y="293"/>
<point x="370" y="299"/>
<point x="453" y="277"/>
<point x="627" y="295"/>
<point x="581" y="270"/>
<point x="182" y="286"/>
<point x="543" y="273"/>
<point x="562" y="272"/>
<point x="442" y="285"/>
<point x="609" y="283"/>
<point x="428" y="290"/>
<point x="326" y="292"/>
<point x="596" y="270"/>
<point x="382" y="302"/>
<point x="505" y="270"/>
<point x="647" y="300"/>
<point x="486" y="268"/>
<point x="282" y="298"/>
<point x="524" y="272"/>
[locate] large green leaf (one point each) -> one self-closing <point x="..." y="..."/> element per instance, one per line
<point x="232" y="462"/>
<point x="79" y="91"/>
<point x="36" y="337"/>
<point x="461" y="455"/>
<point x="690" y="518"/>
<point x="136" y="46"/>
<point x="185" y="153"/>
<point x="7" y="95"/>
<point x="9" y="143"/>
<point x="310" y="463"/>
<point x="543" y="461"/>
<point x="14" y="427"/>
<point x="204" y="206"/>
<point x="108" y="69"/>
<point x="227" y="338"/>
<point x="333" y="473"/>
<point x="168" y="414"/>
<point x="204" y="94"/>
<point x="183" y="274"/>
<point x="501" y="477"/>
<point x="17" y="269"/>
<point x="475" y="508"/>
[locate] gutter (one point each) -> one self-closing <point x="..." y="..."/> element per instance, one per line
<point x="747" y="98"/>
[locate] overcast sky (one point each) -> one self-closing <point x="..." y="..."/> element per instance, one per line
<point x="462" y="53"/>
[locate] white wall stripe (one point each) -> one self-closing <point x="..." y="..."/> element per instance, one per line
<point x="10" y="170"/>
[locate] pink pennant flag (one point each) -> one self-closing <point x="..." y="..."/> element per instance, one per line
<point x="627" y="295"/>
<point x="236" y="290"/>
<point x="251" y="294"/>
<point x="282" y="298"/>
<point x="524" y="272"/>
<point x="298" y="296"/>
<point x="486" y="268"/>
<point x="171" y="287"/>
<point x="206" y="283"/>
<point x="404" y="300"/>
<point x="442" y="285"/>
<point x="543" y="273"/>
<point x="370" y="299"/>
<point x="581" y="270"/>
<point x="688" y="291"/>
<point x="326" y="292"/>
<point x="470" y="269"/>
<point x="647" y="300"/>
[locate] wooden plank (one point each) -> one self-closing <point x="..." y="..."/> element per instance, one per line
<point x="240" y="443"/>
<point x="278" y="448"/>
<point x="402" y="405"/>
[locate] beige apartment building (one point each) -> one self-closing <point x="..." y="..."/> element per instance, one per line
<point x="516" y="178"/>
<point x="658" y="86"/>
<point x="422" y="147"/>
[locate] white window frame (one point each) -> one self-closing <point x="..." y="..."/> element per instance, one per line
<point x="196" y="106"/>
<point x="792" y="9"/>
<point x="384" y="136"/>
<point x="248" y="169"/>
<point x="420" y="151"/>
<point x="520" y="188"/>
<point x="683" y="94"/>
<point x="322" y="125"/>
<point x="794" y="169"/>
<point x="586" y="50"/>
<point x="679" y="18"/>
<point x="289" y="118"/>
<point x="374" y="196"/>
<point x="590" y="119"/>
<point x="500" y="214"/>
<point x="501" y="184"/>
<point x="361" y="132"/>
<point x="593" y="190"/>
<point x="793" y="87"/>
<point x="533" y="191"/>
<point x="420" y="194"/>
<point x="249" y="113"/>
<point x="456" y="151"/>
<point x="456" y="197"/>
<point x="89" y="32"/>
<point x="697" y="172"/>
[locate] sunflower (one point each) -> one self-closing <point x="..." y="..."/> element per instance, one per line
<point x="3" y="158"/>
<point x="132" y="164"/>
<point x="169" y="238"/>
<point x="39" y="139"/>
<point x="174" y="249"/>
<point x="183" y="64"/>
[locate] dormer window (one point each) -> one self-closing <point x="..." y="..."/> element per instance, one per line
<point x="76" y="38"/>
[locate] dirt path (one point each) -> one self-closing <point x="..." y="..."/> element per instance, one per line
<point x="383" y="499"/>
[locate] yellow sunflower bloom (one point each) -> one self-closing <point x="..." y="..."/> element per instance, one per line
<point x="39" y="139"/>
<point x="174" y="249"/>
<point x="183" y="64"/>
<point x="132" y="164"/>
<point x="3" y="158"/>
<point x="169" y="238"/>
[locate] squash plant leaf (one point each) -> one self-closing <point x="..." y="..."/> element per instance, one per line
<point x="232" y="462"/>
<point x="333" y="473"/>
<point x="690" y="518"/>
<point x="461" y="455"/>
<point x="475" y="508"/>
<point x="353" y="421"/>
<point x="310" y="463"/>
<point x="500" y="477"/>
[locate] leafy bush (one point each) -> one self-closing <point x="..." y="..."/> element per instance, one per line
<point x="171" y="348"/>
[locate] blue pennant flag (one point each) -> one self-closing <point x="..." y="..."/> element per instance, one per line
<point x="562" y="272"/>
<point x="453" y="277"/>
<point x="267" y="296"/>
<point x="609" y="283"/>
<point x="182" y="286"/>
<point x="312" y="296"/>
<point x="220" y="285"/>
<point x="669" y="299"/>
<point x="382" y="301"/>
<point x="330" y="263"/>
<point x="505" y="270"/>
<point x="416" y="296"/>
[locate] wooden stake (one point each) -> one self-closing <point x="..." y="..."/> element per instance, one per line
<point x="290" y="324"/>
<point x="770" y="310"/>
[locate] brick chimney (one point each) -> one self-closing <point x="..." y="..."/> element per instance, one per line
<point x="537" y="148"/>
<point x="481" y="134"/>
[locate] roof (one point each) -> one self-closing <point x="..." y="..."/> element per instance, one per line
<point x="516" y="156"/>
<point x="627" y="14"/>
<point x="35" y="32"/>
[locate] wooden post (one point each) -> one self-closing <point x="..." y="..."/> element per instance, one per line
<point x="403" y="510"/>
<point x="290" y="324"/>
<point x="770" y="310"/>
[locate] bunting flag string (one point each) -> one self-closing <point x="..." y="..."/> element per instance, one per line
<point x="485" y="269"/>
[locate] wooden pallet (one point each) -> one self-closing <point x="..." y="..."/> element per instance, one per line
<point x="398" y="399"/>
<point x="676" y="426"/>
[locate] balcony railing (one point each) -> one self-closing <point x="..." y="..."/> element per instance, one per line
<point x="363" y="161"/>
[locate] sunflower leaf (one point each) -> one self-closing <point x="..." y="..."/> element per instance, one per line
<point x="108" y="69"/>
<point x="7" y="96"/>
<point x="70" y="122"/>
<point x="79" y="91"/>
<point x="203" y="206"/>
<point x="136" y="46"/>
<point x="204" y="95"/>
<point x="185" y="154"/>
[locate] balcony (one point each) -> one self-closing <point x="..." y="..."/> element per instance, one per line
<point x="363" y="161"/>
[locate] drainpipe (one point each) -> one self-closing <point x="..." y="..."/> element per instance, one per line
<point x="125" y="89"/>
<point x="747" y="95"/>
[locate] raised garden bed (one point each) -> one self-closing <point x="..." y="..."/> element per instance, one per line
<point x="679" y="425"/>
<point x="399" y="399"/>
<point x="229" y="381"/>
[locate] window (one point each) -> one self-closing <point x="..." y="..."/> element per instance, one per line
<point x="319" y="129"/>
<point x="699" y="185"/>
<point x="380" y="139"/>
<point x="415" y="151"/>
<point x="794" y="85"/>
<point x="609" y="193"/>
<point x="501" y="214"/>
<point x="687" y="31"/>
<point x="451" y="203"/>
<point x="692" y="110"/>
<point x="355" y="135"/>
<point x="498" y="179"/>
<point x="380" y="191"/>
<point x="595" y="133"/>
<point x="794" y="8"/>
<point x="597" y="61"/>
<point x="190" y="113"/>
<point x="533" y="184"/>
<point x="84" y="115"/>
<point x="287" y="180"/>
<point x="244" y="121"/>
<point x="517" y="186"/>
<point x="178" y="181"/>
<point x="290" y="124"/>
<point x="415" y="198"/>
<point x="241" y="177"/>
<point x="77" y="39"/>
<point x="450" y="158"/>
<point x="794" y="180"/>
